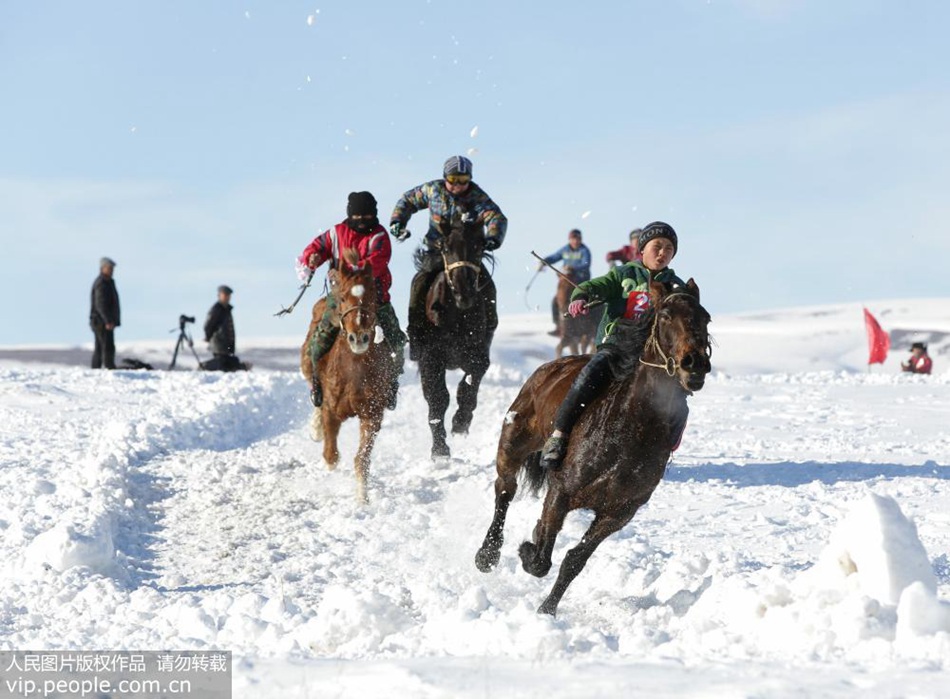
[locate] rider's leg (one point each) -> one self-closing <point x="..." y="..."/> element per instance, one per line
<point x="491" y="306"/>
<point x="323" y="338"/>
<point x="396" y="339"/>
<point x="429" y="267"/>
<point x="583" y="390"/>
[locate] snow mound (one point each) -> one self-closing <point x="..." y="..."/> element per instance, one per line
<point x="64" y="546"/>
<point x="880" y="546"/>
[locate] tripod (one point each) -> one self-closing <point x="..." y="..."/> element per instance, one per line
<point x="183" y="339"/>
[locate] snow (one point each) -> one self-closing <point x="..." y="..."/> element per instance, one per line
<point x="799" y="544"/>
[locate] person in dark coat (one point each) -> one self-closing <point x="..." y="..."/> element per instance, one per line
<point x="219" y="333"/>
<point x="104" y="315"/>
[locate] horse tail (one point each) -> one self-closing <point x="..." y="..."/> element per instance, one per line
<point x="534" y="476"/>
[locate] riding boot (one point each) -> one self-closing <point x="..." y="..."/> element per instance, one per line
<point x="583" y="390"/>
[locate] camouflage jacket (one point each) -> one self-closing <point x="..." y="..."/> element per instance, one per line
<point x="444" y="206"/>
<point x="625" y="291"/>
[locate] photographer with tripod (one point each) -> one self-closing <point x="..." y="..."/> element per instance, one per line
<point x="219" y="332"/>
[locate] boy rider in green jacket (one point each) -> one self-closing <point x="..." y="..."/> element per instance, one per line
<point x="626" y="293"/>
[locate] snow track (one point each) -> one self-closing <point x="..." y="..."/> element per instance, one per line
<point x="157" y="510"/>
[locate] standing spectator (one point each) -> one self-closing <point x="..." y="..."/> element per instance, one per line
<point x="920" y="362"/>
<point x="628" y="253"/>
<point x="104" y="315"/>
<point x="219" y="332"/>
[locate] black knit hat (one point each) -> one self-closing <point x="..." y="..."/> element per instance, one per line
<point x="658" y="229"/>
<point x="361" y="204"/>
<point x="225" y="289"/>
<point x="919" y="345"/>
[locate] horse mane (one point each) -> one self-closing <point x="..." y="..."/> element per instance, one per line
<point x="629" y="341"/>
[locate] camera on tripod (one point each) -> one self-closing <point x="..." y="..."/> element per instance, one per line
<point x="184" y="339"/>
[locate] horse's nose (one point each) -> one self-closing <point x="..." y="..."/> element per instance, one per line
<point x="351" y="338"/>
<point x="695" y="362"/>
<point x="364" y="339"/>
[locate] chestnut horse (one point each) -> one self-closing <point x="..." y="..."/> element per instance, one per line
<point x="455" y="334"/>
<point x="356" y="372"/>
<point x="577" y="334"/>
<point x="619" y="447"/>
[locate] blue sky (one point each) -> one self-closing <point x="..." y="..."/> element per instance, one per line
<point x="800" y="148"/>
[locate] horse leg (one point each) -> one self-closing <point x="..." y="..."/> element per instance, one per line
<point x="331" y="429"/>
<point x="506" y="485"/>
<point x="316" y="425"/>
<point x="369" y="429"/>
<point x="536" y="555"/>
<point x="575" y="559"/>
<point x="467" y="398"/>
<point x="436" y="393"/>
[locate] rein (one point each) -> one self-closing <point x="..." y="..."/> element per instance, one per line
<point x="669" y="365"/>
<point x="449" y="266"/>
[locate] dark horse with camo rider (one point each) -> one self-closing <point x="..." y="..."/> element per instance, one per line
<point x="457" y="330"/>
<point x="621" y="443"/>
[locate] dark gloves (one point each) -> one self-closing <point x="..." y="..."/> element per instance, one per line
<point x="491" y="244"/>
<point x="398" y="231"/>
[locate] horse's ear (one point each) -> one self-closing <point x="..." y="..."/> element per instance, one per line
<point x="351" y="257"/>
<point x="693" y="287"/>
<point x="333" y="277"/>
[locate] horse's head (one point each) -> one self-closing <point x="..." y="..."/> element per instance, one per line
<point x="680" y="338"/>
<point x="354" y="289"/>
<point x="462" y="245"/>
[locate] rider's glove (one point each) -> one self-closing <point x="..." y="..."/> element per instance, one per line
<point x="577" y="307"/>
<point x="398" y="231"/>
<point x="491" y="244"/>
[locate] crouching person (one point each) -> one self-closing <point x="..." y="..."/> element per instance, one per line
<point x="219" y="334"/>
<point x="360" y="232"/>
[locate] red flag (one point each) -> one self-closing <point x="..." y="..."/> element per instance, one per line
<point x="878" y="340"/>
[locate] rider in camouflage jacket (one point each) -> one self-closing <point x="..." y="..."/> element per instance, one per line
<point x="452" y="197"/>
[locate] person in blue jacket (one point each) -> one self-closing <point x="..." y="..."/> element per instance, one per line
<point x="576" y="258"/>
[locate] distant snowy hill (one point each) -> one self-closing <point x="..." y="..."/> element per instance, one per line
<point x="812" y="338"/>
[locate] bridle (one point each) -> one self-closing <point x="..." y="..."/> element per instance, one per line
<point x="669" y="365"/>
<point x="449" y="266"/>
<point x="356" y="307"/>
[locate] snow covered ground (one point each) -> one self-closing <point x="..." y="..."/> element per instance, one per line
<point x="799" y="545"/>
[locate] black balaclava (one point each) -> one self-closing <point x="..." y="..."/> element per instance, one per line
<point x="361" y="204"/>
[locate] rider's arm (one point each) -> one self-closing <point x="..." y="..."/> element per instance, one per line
<point x="321" y="246"/>
<point x="496" y="225"/>
<point x="556" y="256"/>
<point x="605" y="288"/>
<point x="411" y="202"/>
<point x="584" y="262"/>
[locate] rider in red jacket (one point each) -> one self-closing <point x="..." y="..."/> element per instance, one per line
<point x="920" y="362"/>
<point x="628" y="253"/>
<point x="361" y="232"/>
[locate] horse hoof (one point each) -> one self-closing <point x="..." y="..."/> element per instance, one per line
<point x="529" y="560"/>
<point x="441" y="451"/>
<point x="548" y="607"/>
<point x="486" y="559"/>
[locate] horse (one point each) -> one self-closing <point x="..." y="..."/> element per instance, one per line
<point x="357" y="370"/>
<point x="577" y="334"/>
<point x="619" y="447"/>
<point x="455" y="334"/>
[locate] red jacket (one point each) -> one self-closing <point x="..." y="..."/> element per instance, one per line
<point x="919" y="365"/>
<point x="373" y="249"/>
<point x="623" y="255"/>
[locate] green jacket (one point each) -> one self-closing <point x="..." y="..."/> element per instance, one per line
<point x="625" y="291"/>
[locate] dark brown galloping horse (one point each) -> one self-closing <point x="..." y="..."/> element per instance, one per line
<point x="456" y="333"/>
<point x="577" y="334"/>
<point x="357" y="370"/>
<point x="620" y="446"/>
